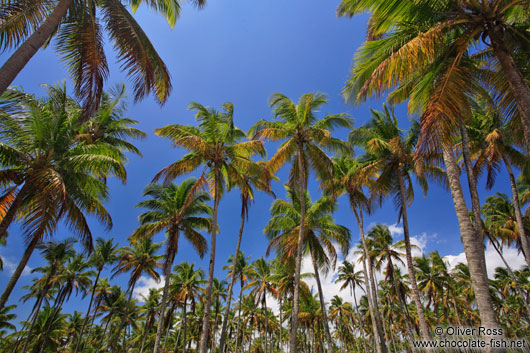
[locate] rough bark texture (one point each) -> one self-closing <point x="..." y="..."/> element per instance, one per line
<point x="520" y="90"/>
<point x="203" y="345"/>
<point x="518" y="214"/>
<point x="473" y="243"/>
<point x="231" y="286"/>
<point x="25" y="52"/>
<point x="299" y="248"/>
<point x="424" y="328"/>
<point x="378" y="334"/>
<point x="322" y="304"/>
<point x="18" y="271"/>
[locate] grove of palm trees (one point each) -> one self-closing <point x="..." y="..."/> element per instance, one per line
<point x="244" y="210"/>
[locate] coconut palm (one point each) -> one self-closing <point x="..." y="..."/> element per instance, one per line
<point x="304" y="136"/>
<point x="350" y="178"/>
<point x="79" y="29"/>
<point x="47" y="175"/>
<point x="150" y="310"/>
<point x="391" y="154"/>
<point x="320" y="234"/>
<point x="219" y="292"/>
<point x="174" y="209"/>
<point x="7" y="319"/>
<point x="446" y="32"/>
<point x="245" y="183"/>
<point x="188" y="287"/>
<point x="215" y="145"/>
<point x="104" y="254"/>
<point x="139" y="259"/>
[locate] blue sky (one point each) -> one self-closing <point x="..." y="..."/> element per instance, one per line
<point x="242" y="52"/>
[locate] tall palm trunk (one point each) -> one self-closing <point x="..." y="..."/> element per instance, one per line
<point x="518" y="214"/>
<point x="61" y="296"/>
<point x="239" y="317"/>
<point x="280" y="339"/>
<point x="25" y="52"/>
<point x="264" y="302"/>
<point x="369" y="283"/>
<point x="203" y="345"/>
<point x="92" y="323"/>
<point x="123" y="321"/>
<point x="18" y="271"/>
<point x="299" y="248"/>
<point x="424" y="328"/>
<point x="185" y="323"/>
<point x="361" y="329"/>
<point x="147" y="327"/>
<point x="520" y="90"/>
<point x="88" y="310"/>
<point x="322" y="304"/>
<point x="232" y="281"/>
<point x="472" y="183"/>
<point x="402" y="303"/>
<point x="107" y="325"/>
<point x="473" y="243"/>
<point x="163" y="304"/>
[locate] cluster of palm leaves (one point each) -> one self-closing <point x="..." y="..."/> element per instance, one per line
<point x="461" y="65"/>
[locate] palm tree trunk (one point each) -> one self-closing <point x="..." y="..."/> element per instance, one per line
<point x="520" y="90"/>
<point x="518" y="214"/>
<point x="35" y="313"/>
<point x="185" y="323"/>
<point x="163" y="304"/>
<point x="232" y="281"/>
<point x="424" y="328"/>
<point x="238" y="331"/>
<point x="472" y="182"/>
<point x="104" y="334"/>
<point x="361" y="329"/>
<point x="122" y="324"/>
<point x="88" y="310"/>
<point x="299" y="248"/>
<point x="473" y="243"/>
<point x="203" y="345"/>
<point x="402" y="304"/>
<point x="25" y="52"/>
<point x="168" y="327"/>
<point x="92" y="323"/>
<point x="55" y="311"/>
<point x="369" y="283"/>
<point x="280" y="340"/>
<point x="146" y="331"/>
<point x="18" y="271"/>
<point x="322" y="304"/>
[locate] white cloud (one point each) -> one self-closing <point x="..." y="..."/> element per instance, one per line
<point x="395" y="230"/>
<point x="143" y="286"/>
<point x="11" y="266"/>
<point x="493" y="260"/>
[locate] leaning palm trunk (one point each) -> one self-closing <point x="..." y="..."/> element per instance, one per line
<point x="361" y="328"/>
<point x="322" y="304"/>
<point x="239" y="318"/>
<point x="518" y="214"/>
<point x="88" y="310"/>
<point x="18" y="271"/>
<point x="232" y="281"/>
<point x="299" y="248"/>
<point x="203" y="345"/>
<point x="518" y="85"/>
<point x="473" y="244"/>
<point x="163" y="304"/>
<point x="379" y="341"/>
<point x="25" y="52"/>
<point x="89" y="334"/>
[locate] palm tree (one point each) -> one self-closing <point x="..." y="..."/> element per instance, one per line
<point x="79" y="32"/>
<point x="239" y="269"/>
<point x="493" y="143"/>
<point x="214" y="144"/>
<point x="391" y="154"/>
<point x="245" y="183"/>
<point x="260" y="284"/>
<point x="150" y="310"/>
<point x="352" y="279"/>
<point x="350" y="178"/>
<point x="189" y="281"/>
<point x="446" y="34"/>
<point x="321" y="233"/>
<point x="305" y="135"/>
<point x="175" y="209"/>
<point x="48" y="174"/>
<point x="104" y="254"/>
<point x="139" y="259"/>
<point x="219" y="292"/>
<point x="6" y="319"/>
